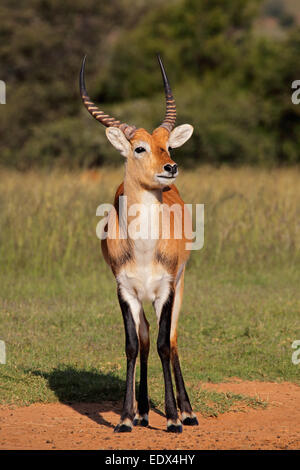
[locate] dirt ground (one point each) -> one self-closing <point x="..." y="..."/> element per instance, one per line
<point x="90" y="425"/>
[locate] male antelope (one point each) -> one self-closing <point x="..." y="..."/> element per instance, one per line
<point x="148" y="268"/>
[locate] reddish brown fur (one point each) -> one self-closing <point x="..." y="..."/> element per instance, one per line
<point x="137" y="180"/>
<point x="148" y="262"/>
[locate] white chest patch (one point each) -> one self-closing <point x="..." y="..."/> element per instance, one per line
<point x="145" y="279"/>
<point x="145" y="282"/>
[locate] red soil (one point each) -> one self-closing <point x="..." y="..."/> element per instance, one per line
<point x="90" y="425"/>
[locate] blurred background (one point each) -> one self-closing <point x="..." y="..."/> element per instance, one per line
<point x="231" y="64"/>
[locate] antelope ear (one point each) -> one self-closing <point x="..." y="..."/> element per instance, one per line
<point x="180" y="135"/>
<point x="118" y="140"/>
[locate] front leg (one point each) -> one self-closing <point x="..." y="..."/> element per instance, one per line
<point x="141" y="417"/>
<point x="129" y="308"/>
<point x="164" y="351"/>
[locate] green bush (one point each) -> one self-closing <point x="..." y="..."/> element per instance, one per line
<point x="233" y="85"/>
<point x="70" y="143"/>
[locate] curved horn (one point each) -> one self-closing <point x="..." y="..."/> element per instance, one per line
<point x="170" y="116"/>
<point x="105" y="119"/>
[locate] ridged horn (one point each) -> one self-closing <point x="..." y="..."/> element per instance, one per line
<point x="105" y="119"/>
<point x="170" y="116"/>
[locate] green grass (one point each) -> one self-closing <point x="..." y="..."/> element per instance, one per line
<point x="60" y="317"/>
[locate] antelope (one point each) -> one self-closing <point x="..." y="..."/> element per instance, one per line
<point x="148" y="269"/>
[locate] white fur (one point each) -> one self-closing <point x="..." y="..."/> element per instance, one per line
<point x="144" y="280"/>
<point x="180" y="135"/>
<point x="145" y="145"/>
<point x="118" y="140"/>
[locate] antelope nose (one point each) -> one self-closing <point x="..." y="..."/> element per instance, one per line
<point x="171" y="168"/>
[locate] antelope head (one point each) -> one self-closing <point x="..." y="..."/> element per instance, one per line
<point x="148" y="157"/>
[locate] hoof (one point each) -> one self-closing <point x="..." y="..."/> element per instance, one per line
<point x="124" y="427"/>
<point x="174" y="427"/>
<point x="141" y="421"/>
<point x="190" y="421"/>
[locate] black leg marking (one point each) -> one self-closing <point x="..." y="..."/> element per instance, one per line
<point x="141" y="418"/>
<point x="164" y="351"/>
<point x="188" y="417"/>
<point x="132" y="345"/>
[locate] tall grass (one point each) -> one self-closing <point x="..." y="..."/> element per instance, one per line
<point x="48" y="221"/>
<point x="59" y="314"/>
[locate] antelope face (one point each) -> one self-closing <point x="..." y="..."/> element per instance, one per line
<point x="148" y="156"/>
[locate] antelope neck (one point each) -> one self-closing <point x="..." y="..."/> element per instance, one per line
<point x="139" y="194"/>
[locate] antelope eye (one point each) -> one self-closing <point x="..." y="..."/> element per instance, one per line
<point x="140" y="150"/>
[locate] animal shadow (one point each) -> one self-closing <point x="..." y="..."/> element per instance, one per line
<point x="87" y="392"/>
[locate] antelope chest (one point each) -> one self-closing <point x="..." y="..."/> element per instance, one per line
<point x="144" y="278"/>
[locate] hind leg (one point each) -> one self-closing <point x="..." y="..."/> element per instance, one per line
<point x="183" y="402"/>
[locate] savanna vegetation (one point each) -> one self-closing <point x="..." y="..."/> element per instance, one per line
<point x="231" y="64"/>
<point x="60" y="317"/>
<point x="231" y="74"/>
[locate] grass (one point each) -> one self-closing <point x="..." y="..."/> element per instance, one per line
<point x="60" y="317"/>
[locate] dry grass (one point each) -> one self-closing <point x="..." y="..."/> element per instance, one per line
<point x="48" y="220"/>
<point x="241" y="307"/>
